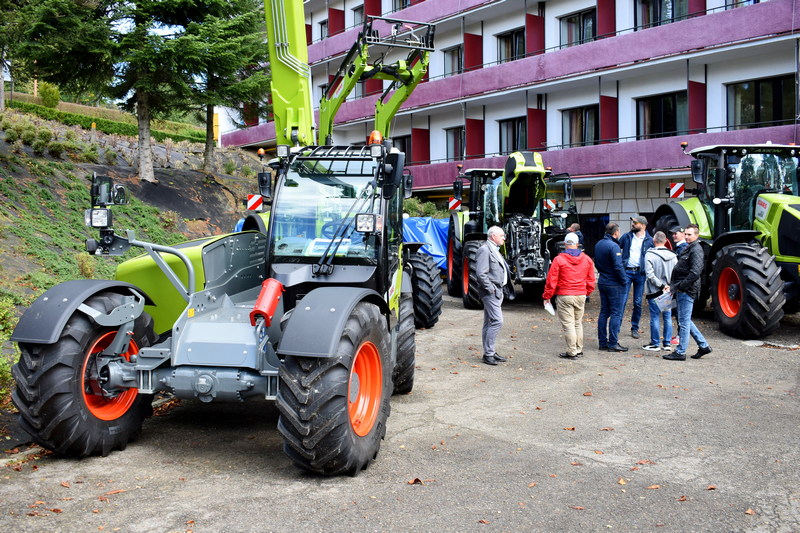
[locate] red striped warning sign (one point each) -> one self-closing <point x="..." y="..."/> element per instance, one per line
<point x="550" y="204"/>
<point x="454" y="203"/>
<point x="676" y="190"/>
<point x="254" y="202"/>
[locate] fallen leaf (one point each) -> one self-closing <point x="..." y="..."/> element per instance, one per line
<point x="65" y="484"/>
<point x="621" y="481"/>
<point x="645" y="462"/>
<point x="482" y="521"/>
<point x="598" y="452"/>
<point x="538" y="408"/>
<point x="118" y="491"/>
<point x="634" y="468"/>
<point x="606" y="429"/>
<point x="576" y="507"/>
<point x="102" y="498"/>
<point x="654" y="487"/>
<point x="750" y="512"/>
<point x="416" y="481"/>
<point x="575" y="463"/>
<point x="569" y="429"/>
<point x="711" y="487"/>
<point x="682" y="499"/>
<point x="532" y="484"/>
<point x="588" y="393"/>
<point x="57" y="511"/>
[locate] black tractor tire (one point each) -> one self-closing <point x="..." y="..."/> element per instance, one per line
<point x="426" y="286"/>
<point x="333" y="411"/>
<point x="747" y="291"/>
<point x="665" y="224"/>
<point x="53" y="392"/>
<point x="453" y="262"/>
<point x="403" y="374"/>
<point x="469" y="276"/>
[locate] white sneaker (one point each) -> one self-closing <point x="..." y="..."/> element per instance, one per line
<point x="651" y="348"/>
<point x="667" y="347"/>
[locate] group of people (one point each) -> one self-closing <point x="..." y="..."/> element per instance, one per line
<point x="634" y="263"/>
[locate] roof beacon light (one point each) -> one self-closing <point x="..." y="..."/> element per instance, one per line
<point x="375" y="143"/>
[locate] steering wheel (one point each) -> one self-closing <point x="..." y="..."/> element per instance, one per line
<point x="328" y="230"/>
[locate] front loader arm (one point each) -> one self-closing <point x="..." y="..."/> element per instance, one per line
<point x="291" y="75"/>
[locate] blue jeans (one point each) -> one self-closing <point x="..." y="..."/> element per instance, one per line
<point x="656" y="317"/>
<point x="685" y="325"/>
<point x="637" y="279"/>
<point x="610" y="319"/>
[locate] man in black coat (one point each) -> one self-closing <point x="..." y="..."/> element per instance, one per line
<point x="611" y="285"/>
<point x="685" y="284"/>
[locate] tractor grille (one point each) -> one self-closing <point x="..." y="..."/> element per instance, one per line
<point x="789" y="234"/>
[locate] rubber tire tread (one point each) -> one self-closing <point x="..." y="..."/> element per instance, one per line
<point x="403" y="374"/>
<point x="471" y="298"/>
<point x="312" y="401"/>
<point x="49" y="397"/>
<point x="762" y="291"/>
<point x="426" y="285"/>
<point x="454" y="264"/>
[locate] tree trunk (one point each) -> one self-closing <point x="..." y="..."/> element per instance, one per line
<point x="208" y="154"/>
<point x="2" y="79"/>
<point x="145" y="150"/>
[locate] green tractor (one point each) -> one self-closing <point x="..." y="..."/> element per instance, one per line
<point x="316" y="312"/>
<point x="533" y="206"/>
<point x="747" y="207"/>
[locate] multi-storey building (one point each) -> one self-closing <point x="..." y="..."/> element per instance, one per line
<point x="607" y="89"/>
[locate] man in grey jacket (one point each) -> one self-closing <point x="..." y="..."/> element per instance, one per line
<point x="659" y="262"/>
<point x="493" y="275"/>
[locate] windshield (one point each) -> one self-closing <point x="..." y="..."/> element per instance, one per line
<point x="772" y="172"/>
<point x="311" y="211"/>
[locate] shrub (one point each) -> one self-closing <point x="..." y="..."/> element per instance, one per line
<point x="11" y="135"/>
<point x="86" y="264"/>
<point x="39" y="146"/>
<point x="70" y="135"/>
<point x="229" y="167"/>
<point x="89" y="154"/>
<point x="111" y="156"/>
<point x="56" y="148"/>
<point x="45" y="135"/>
<point x="248" y="172"/>
<point x="49" y="94"/>
<point x="28" y="135"/>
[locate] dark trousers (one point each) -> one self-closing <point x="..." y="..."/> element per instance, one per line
<point x="610" y="319"/>
<point x="636" y="278"/>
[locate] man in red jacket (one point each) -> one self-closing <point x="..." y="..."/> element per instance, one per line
<point x="571" y="278"/>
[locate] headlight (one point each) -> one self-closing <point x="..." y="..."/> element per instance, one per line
<point x="369" y="223"/>
<point x="97" y="218"/>
<point x="282" y="150"/>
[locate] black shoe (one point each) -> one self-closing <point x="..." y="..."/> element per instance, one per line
<point x="500" y="358"/>
<point x="601" y="347"/>
<point x="617" y="348"/>
<point x="579" y="354"/>
<point x="489" y="360"/>
<point x="674" y="356"/>
<point x="635" y="333"/>
<point x="565" y="355"/>
<point x="701" y="352"/>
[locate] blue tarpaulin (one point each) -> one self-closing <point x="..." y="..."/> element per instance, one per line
<point x="429" y="230"/>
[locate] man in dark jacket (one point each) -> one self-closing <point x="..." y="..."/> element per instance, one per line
<point x="685" y="284"/>
<point x="611" y="284"/>
<point x="635" y="244"/>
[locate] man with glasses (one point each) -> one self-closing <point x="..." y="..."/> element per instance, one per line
<point x="493" y="276"/>
<point x="685" y="284"/>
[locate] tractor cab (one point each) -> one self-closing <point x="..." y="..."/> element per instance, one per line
<point x="558" y="208"/>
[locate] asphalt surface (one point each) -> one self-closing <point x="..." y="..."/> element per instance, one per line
<point x="610" y="442"/>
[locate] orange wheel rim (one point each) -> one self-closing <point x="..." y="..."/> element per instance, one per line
<point x="465" y="275"/>
<point x="729" y="291"/>
<point x="100" y="406"/>
<point x="365" y="389"/>
<point x="450" y="260"/>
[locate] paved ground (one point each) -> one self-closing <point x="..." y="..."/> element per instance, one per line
<point x="611" y="442"/>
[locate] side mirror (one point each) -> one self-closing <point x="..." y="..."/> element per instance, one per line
<point x="393" y="166"/>
<point x="458" y="189"/>
<point x="105" y="192"/>
<point x="567" y="192"/>
<point x="265" y="185"/>
<point x="698" y="170"/>
<point x="408" y="184"/>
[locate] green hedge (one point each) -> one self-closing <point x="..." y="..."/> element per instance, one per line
<point x="106" y="126"/>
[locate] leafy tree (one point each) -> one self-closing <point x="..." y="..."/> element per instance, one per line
<point x="228" y="51"/>
<point x="11" y="23"/>
<point x="127" y="50"/>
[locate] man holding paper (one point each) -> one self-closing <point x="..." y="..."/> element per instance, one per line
<point x="571" y="278"/>
<point x="659" y="262"/>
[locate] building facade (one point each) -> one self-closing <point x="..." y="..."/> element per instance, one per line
<point x="606" y="89"/>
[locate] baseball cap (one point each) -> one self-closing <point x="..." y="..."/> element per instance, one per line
<point x="571" y="238"/>
<point x="640" y="219"/>
<point x="676" y="229"/>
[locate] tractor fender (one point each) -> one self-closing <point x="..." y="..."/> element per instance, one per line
<point x="726" y="239"/>
<point x="317" y="321"/>
<point x="458" y="230"/>
<point x="675" y="209"/>
<point x="44" y="320"/>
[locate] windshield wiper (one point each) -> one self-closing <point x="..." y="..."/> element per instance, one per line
<point x="324" y="266"/>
